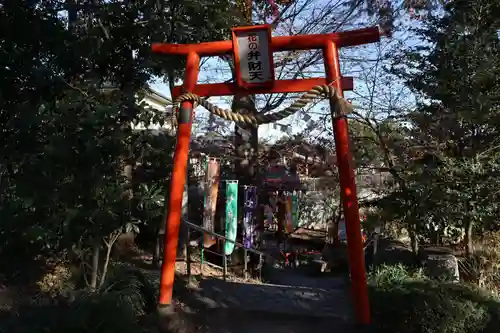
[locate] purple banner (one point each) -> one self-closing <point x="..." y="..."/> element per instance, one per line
<point x="249" y="220"/>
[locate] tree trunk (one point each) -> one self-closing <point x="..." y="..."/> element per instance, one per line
<point x="412" y="232"/>
<point x="95" y="264"/>
<point x="246" y="142"/>
<point x="107" y="258"/>
<point x="162" y="227"/>
<point x="157" y="249"/>
<point x="160" y="231"/>
<point x="246" y="147"/>
<point x="71" y="6"/>
<point x="435" y="237"/>
<point x="469" y="245"/>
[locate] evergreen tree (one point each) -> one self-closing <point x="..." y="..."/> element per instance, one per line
<point x="455" y="73"/>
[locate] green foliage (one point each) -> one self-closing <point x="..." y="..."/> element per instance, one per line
<point x="377" y="143"/>
<point x="482" y="267"/>
<point x="406" y="302"/>
<point x="453" y="137"/>
<point x="116" y="307"/>
<point x="132" y="286"/>
<point x="388" y="275"/>
<point x="438" y="199"/>
<point x="69" y="92"/>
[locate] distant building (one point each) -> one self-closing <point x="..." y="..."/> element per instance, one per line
<point x="160" y="103"/>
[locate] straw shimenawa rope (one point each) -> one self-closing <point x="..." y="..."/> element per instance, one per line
<point x="342" y="107"/>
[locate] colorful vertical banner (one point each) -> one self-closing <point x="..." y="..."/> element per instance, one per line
<point x="269" y="216"/>
<point x="273" y="206"/>
<point x="210" y="202"/>
<point x="288" y="215"/>
<point x="281" y="208"/>
<point x="295" y="210"/>
<point x="249" y="209"/>
<point x="231" y="214"/>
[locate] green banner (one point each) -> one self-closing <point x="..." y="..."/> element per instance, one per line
<point x="295" y="210"/>
<point x="231" y="214"/>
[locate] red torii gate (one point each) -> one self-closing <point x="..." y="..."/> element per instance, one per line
<point x="330" y="44"/>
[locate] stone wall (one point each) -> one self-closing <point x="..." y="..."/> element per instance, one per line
<point x="317" y="207"/>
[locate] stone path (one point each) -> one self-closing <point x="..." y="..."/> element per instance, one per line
<point x="280" y="299"/>
<point x="304" y="305"/>
<point x="290" y="302"/>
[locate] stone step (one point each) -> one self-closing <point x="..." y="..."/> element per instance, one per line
<point x="278" y="299"/>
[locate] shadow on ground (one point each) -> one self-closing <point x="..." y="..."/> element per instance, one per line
<point x="218" y="306"/>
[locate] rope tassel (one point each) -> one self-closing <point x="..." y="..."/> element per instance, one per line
<point x="342" y="107"/>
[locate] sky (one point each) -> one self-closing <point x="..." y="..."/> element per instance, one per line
<point x="355" y="61"/>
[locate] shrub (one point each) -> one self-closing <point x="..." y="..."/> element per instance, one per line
<point x="483" y="266"/>
<point x="89" y="313"/>
<point x="390" y="275"/>
<point x="133" y="286"/>
<point x="405" y="301"/>
<point x="116" y="307"/>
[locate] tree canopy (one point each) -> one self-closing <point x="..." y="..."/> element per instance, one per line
<point x="72" y="76"/>
<point x="453" y="137"/>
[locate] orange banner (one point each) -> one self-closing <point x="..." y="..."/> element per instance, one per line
<point x="211" y="192"/>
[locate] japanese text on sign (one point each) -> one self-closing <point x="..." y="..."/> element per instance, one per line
<point x="254" y="59"/>
<point x="254" y="55"/>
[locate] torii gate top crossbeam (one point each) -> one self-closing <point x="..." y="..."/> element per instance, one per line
<point x="280" y="43"/>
